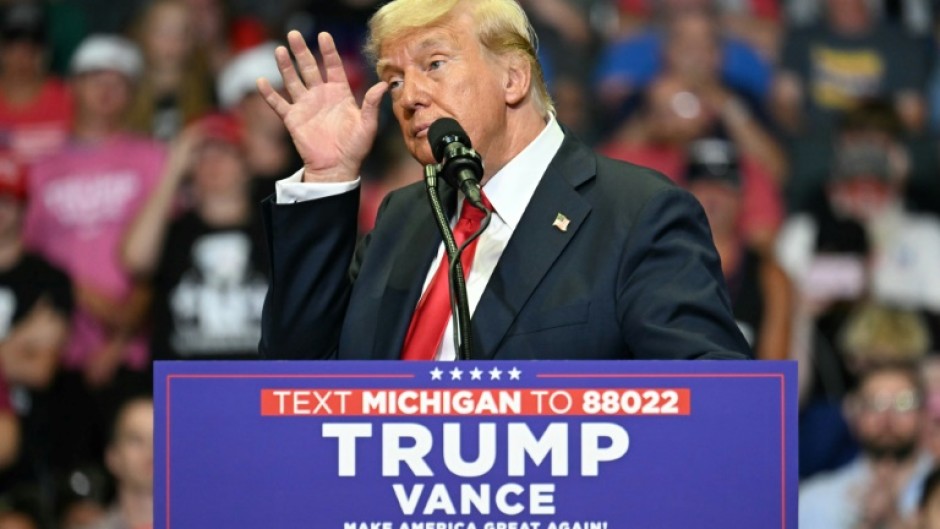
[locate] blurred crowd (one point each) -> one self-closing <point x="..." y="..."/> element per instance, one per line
<point x="134" y="151"/>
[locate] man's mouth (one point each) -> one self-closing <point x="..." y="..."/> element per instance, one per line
<point x="421" y="131"/>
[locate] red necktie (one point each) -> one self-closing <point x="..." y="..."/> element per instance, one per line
<point x="433" y="311"/>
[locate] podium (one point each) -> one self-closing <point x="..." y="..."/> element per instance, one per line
<point x="482" y="445"/>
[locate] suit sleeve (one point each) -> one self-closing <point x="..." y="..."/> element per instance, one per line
<point x="310" y="247"/>
<point x="672" y="301"/>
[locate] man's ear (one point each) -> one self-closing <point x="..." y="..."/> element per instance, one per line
<point x="518" y="78"/>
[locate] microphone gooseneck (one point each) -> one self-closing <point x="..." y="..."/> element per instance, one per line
<point x="461" y="167"/>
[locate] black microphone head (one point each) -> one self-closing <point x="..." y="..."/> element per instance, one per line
<point x="442" y="133"/>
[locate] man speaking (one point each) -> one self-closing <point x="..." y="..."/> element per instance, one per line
<point x="585" y="257"/>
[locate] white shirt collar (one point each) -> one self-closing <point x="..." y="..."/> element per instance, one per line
<point x="511" y="189"/>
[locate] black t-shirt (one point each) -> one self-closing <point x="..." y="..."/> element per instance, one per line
<point x="839" y="71"/>
<point x="208" y="291"/>
<point x="27" y="282"/>
<point x="21" y="287"/>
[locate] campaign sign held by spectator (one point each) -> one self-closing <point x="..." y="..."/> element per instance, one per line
<point x="475" y="445"/>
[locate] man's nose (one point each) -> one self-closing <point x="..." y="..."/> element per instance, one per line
<point x="415" y="91"/>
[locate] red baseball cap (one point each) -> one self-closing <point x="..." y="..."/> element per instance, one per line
<point x="220" y="127"/>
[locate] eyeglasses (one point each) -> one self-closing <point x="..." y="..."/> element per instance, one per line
<point x="903" y="402"/>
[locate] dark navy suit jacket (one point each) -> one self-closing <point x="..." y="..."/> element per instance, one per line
<point x="635" y="275"/>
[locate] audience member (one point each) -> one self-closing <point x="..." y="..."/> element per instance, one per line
<point x="208" y="266"/>
<point x="866" y="187"/>
<point x="850" y="57"/>
<point x="627" y="67"/>
<point x="130" y="460"/>
<point x="673" y="116"/>
<point x="879" y="489"/>
<point x="870" y="335"/>
<point x="175" y="87"/>
<point x="35" y="108"/>
<point x="84" y="198"/>
<point x="759" y="290"/>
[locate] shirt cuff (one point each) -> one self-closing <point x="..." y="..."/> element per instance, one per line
<point x="293" y="189"/>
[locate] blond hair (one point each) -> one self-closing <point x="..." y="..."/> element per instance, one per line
<point x="502" y="28"/>
<point x="879" y="333"/>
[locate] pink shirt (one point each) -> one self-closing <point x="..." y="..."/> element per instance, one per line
<point x="81" y="201"/>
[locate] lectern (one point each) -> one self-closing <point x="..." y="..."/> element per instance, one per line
<point x="475" y="445"/>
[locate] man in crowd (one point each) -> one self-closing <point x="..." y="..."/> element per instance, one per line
<point x="880" y="488"/>
<point x="849" y="57"/>
<point x="585" y="257"/>
<point x="81" y="202"/>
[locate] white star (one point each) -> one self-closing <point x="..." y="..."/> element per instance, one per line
<point x="455" y="373"/>
<point x="514" y="374"/>
<point x="476" y="374"/>
<point x="436" y="373"/>
<point x="494" y="373"/>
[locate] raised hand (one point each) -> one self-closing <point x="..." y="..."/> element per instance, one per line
<point x="331" y="132"/>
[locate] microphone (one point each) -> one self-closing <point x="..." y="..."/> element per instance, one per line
<point x="461" y="166"/>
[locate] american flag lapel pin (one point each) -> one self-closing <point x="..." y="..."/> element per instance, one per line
<point x="561" y="222"/>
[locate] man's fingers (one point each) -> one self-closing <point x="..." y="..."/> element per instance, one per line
<point x="306" y="62"/>
<point x="331" y="59"/>
<point x="274" y="100"/>
<point x="292" y="81"/>
<point x="371" y="102"/>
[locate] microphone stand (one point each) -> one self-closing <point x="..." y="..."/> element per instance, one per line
<point x="459" y="301"/>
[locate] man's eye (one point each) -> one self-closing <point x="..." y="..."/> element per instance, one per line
<point x="394" y="83"/>
<point x="434" y="65"/>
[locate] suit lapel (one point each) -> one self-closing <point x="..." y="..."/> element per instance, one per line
<point x="408" y="265"/>
<point x="535" y="244"/>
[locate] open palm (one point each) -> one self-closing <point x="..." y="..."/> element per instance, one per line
<point x="331" y="132"/>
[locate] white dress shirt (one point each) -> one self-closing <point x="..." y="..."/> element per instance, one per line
<point x="509" y="191"/>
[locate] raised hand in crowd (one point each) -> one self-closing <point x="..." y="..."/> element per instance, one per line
<point x="141" y="246"/>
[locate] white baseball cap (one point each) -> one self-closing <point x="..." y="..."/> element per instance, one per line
<point x="107" y="52"/>
<point x="240" y="75"/>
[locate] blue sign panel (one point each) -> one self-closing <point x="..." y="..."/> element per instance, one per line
<point x="475" y="445"/>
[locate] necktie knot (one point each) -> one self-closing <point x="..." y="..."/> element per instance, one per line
<point x="470" y="213"/>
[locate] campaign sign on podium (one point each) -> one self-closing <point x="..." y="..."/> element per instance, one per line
<point x="481" y="445"/>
